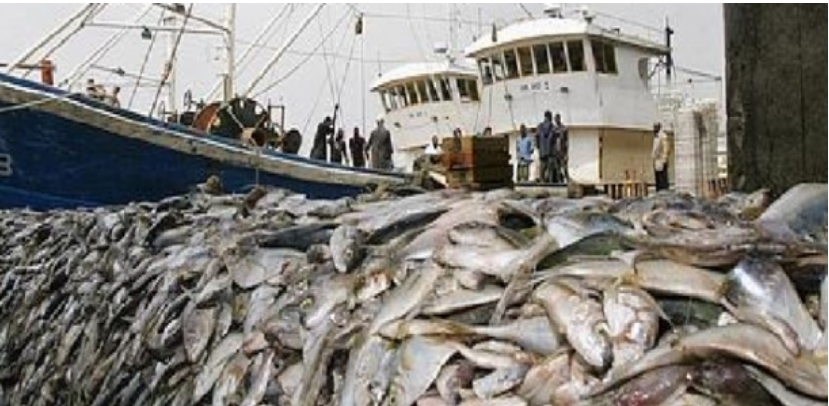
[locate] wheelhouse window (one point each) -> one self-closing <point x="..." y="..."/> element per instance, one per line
<point x="486" y="71"/>
<point x="386" y="99"/>
<point x="472" y="86"/>
<point x="575" y="51"/>
<point x="498" y="67"/>
<point x="510" y="64"/>
<point x="525" y="59"/>
<point x="604" y="54"/>
<point x="542" y="59"/>
<point x="402" y="99"/>
<point x="411" y="94"/>
<point x="421" y="90"/>
<point x="433" y="91"/>
<point x="468" y="90"/>
<point x="445" y="89"/>
<point x="559" y="57"/>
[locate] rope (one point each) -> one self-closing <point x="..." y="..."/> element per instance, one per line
<point x="169" y="64"/>
<point x="144" y="64"/>
<point x="345" y="74"/>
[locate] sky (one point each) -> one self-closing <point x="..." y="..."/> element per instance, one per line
<point x="328" y="62"/>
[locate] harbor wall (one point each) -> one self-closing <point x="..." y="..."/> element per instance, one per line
<point x="776" y="94"/>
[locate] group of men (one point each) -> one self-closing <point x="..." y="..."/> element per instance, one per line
<point x="331" y="147"/>
<point x="98" y="92"/>
<point x="552" y="140"/>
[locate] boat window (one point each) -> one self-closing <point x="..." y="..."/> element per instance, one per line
<point x="424" y="94"/>
<point x="472" y="86"/>
<point x="433" y="91"/>
<point x="575" y="51"/>
<point x="486" y="71"/>
<point x="412" y="92"/>
<point x="498" y="67"/>
<point x="445" y="89"/>
<point x="598" y="56"/>
<point x="542" y="59"/>
<point x="525" y="59"/>
<point x="384" y="98"/>
<point x="403" y="99"/>
<point x="610" y="58"/>
<point x="510" y="64"/>
<point x="463" y="90"/>
<point x="604" y="56"/>
<point x="559" y="57"/>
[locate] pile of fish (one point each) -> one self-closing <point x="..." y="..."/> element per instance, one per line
<point x="439" y="298"/>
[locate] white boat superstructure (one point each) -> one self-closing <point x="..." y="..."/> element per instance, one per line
<point x="422" y="100"/>
<point x="596" y="78"/>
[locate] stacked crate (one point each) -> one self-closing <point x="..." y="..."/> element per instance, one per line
<point x="479" y="163"/>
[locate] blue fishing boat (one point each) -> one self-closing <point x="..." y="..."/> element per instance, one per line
<point x="65" y="149"/>
<point x="60" y="149"/>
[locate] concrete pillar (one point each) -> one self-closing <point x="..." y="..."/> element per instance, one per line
<point x="776" y="94"/>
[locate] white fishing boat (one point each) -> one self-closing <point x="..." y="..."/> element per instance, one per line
<point x="598" y="78"/>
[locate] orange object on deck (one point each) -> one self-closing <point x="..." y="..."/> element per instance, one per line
<point x="47" y="72"/>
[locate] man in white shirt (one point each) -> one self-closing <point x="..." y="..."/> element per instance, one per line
<point x="660" y="155"/>
<point x="434" y="147"/>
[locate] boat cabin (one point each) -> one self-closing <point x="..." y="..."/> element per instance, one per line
<point x="426" y="99"/>
<point x="596" y="78"/>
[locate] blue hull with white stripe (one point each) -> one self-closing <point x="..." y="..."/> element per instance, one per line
<point x="60" y="150"/>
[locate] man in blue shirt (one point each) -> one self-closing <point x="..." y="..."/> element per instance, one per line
<point x="524" y="149"/>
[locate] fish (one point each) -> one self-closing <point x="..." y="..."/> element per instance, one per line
<point x="197" y="329"/>
<point x="420" y="362"/>
<point x="544" y="378"/>
<point x="744" y="342"/>
<point x="761" y="286"/>
<point x="230" y="379"/>
<point x="633" y="322"/>
<point x="570" y="228"/>
<point x="347" y="247"/>
<point x="212" y="369"/>
<point x="578" y="317"/>
<point x="799" y="215"/>
<point x="499" y="381"/>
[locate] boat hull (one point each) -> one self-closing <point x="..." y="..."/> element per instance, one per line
<point x="59" y="150"/>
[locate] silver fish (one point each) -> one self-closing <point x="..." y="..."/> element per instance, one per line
<point x="197" y="329"/>
<point x="580" y="318"/>
<point x="745" y="342"/>
<point x="231" y="377"/>
<point x="421" y="359"/>
<point x="347" y="248"/>
<point x="762" y="286"/>
<point x="212" y="369"/>
<point x="633" y="322"/>
<point x="499" y="381"/>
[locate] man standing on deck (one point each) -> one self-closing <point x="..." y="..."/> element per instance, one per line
<point x="380" y="147"/>
<point x="324" y="131"/>
<point x="524" y="149"/>
<point x="660" y="154"/>
<point x="357" y="145"/>
<point x="561" y="149"/>
<point x="545" y="142"/>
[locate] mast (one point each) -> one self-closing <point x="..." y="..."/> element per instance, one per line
<point x="231" y="51"/>
<point x="170" y="21"/>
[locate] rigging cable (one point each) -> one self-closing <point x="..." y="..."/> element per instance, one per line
<point x="301" y="63"/>
<point x="144" y="64"/>
<point x="168" y="67"/>
<point x="92" y="13"/>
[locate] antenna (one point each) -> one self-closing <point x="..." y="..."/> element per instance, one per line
<point x="669" y="60"/>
